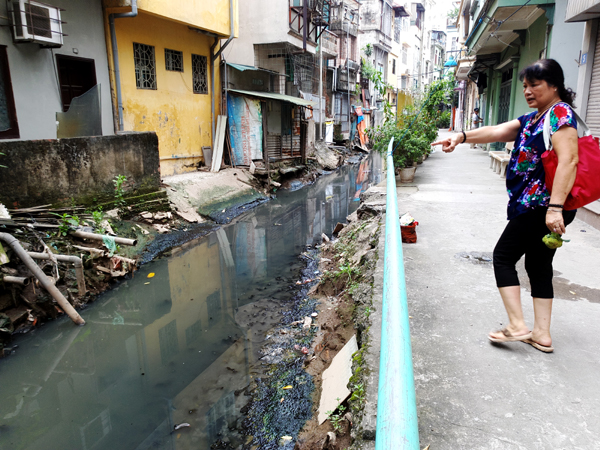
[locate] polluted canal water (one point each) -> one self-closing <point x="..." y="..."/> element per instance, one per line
<point x="166" y="357"/>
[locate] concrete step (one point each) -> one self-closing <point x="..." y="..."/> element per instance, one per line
<point x="590" y="214"/>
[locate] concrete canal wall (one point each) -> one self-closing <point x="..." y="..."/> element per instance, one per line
<point x="83" y="169"/>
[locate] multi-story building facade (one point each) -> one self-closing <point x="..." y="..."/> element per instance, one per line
<point x="283" y="44"/>
<point x="51" y="54"/>
<point x="164" y="55"/>
<point x="345" y="22"/>
<point x="438" y="53"/>
<point x="496" y="49"/>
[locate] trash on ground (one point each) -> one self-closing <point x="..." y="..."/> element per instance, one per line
<point x="408" y="229"/>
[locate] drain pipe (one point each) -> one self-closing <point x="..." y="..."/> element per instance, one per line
<point x="213" y="58"/>
<point x="75" y="260"/>
<point x="15" y="280"/>
<point x="101" y="237"/>
<point x="115" y="54"/>
<point x="43" y="279"/>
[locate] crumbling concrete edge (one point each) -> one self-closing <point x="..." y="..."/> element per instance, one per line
<point x="367" y="423"/>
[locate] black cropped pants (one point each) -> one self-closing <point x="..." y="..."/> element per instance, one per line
<point x="523" y="236"/>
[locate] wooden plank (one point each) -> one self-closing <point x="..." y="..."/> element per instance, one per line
<point x="219" y="143"/>
<point x="214" y="150"/>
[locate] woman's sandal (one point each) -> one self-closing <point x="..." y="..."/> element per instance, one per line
<point x="540" y="347"/>
<point x="507" y="336"/>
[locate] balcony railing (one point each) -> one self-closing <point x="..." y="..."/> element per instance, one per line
<point x="342" y="80"/>
<point x="329" y="41"/>
<point x="344" y="26"/>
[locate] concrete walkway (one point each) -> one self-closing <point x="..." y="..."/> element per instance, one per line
<point x="472" y="394"/>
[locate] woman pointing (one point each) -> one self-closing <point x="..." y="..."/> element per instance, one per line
<point x="532" y="210"/>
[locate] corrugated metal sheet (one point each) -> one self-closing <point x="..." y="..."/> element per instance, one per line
<point x="273" y="96"/>
<point x="582" y="10"/>
<point x="592" y="117"/>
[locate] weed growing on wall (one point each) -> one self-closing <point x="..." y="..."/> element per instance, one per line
<point x="119" y="181"/>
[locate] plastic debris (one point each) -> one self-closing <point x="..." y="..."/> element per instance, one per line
<point x="307" y="322"/>
<point x="289" y="386"/>
<point x="284" y="440"/>
<point x="406" y="220"/>
<point x="151" y="274"/>
<point x="110" y="244"/>
<point x="181" y="425"/>
<point x="4" y="214"/>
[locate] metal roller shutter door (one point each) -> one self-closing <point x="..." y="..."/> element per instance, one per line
<point x="593" y="106"/>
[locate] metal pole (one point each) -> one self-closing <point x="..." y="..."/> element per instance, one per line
<point x="348" y="76"/>
<point x="397" y="426"/>
<point x="321" y="88"/>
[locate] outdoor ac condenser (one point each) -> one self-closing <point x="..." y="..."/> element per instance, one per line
<point x="35" y="22"/>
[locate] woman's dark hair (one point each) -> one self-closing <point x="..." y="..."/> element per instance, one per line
<point x="549" y="70"/>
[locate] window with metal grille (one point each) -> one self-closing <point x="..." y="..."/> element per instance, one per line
<point x="173" y="60"/>
<point x="145" y="66"/>
<point x="199" y="74"/>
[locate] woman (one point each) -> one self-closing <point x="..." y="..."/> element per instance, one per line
<point x="532" y="210"/>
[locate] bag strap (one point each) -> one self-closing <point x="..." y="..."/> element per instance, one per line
<point x="581" y="128"/>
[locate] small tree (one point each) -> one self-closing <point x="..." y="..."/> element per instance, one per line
<point x="416" y="127"/>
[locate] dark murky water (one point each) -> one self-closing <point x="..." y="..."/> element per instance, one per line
<point x="177" y="347"/>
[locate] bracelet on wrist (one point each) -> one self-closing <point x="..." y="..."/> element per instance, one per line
<point x="464" y="137"/>
<point x="551" y="205"/>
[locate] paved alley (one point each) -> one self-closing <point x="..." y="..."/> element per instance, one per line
<point x="472" y="394"/>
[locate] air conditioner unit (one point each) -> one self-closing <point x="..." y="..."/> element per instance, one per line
<point x="36" y="22"/>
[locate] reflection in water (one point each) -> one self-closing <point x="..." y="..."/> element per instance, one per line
<point x="175" y="348"/>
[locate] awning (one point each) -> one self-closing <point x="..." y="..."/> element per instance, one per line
<point x="463" y="68"/>
<point x="450" y="63"/>
<point x="273" y="96"/>
<point x="503" y="27"/>
<point x="582" y="10"/>
<point x="243" y="67"/>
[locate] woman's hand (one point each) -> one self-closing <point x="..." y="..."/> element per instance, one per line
<point x="449" y="144"/>
<point x="555" y="222"/>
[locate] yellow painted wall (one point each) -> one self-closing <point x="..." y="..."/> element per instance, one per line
<point x="180" y="118"/>
<point x="211" y="15"/>
<point x="404" y="100"/>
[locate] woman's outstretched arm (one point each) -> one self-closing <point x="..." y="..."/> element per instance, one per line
<point x="504" y="132"/>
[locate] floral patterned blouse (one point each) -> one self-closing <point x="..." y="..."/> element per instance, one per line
<point x="525" y="176"/>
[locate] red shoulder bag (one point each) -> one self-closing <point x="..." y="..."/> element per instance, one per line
<point x="586" y="188"/>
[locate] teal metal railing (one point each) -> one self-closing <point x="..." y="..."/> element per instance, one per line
<point x="397" y="425"/>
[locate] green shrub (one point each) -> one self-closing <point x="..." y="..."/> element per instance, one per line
<point x="416" y="127"/>
<point x="443" y="120"/>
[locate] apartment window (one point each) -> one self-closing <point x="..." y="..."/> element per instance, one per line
<point x="404" y="54"/>
<point x="173" y="60"/>
<point x="393" y="66"/>
<point x="397" y="29"/>
<point x="145" y="66"/>
<point x="200" y="74"/>
<point x="386" y="19"/>
<point x="9" y="128"/>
